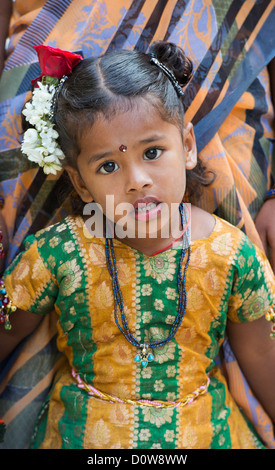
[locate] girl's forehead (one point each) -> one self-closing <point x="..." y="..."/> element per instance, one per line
<point x="135" y="105"/>
<point x="138" y="124"/>
<point x="130" y="113"/>
<point x="141" y="119"/>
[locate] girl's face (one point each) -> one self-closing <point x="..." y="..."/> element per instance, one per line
<point x="147" y="179"/>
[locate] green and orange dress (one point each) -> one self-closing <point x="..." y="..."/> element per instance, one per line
<point x="63" y="268"/>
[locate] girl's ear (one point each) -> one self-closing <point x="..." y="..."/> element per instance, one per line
<point x="79" y="184"/>
<point x="190" y="146"/>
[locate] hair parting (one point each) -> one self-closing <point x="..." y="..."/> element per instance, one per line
<point x="113" y="82"/>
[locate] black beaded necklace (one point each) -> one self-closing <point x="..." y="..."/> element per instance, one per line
<point x="145" y="355"/>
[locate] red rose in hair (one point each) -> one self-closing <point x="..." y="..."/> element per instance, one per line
<point x="55" y="62"/>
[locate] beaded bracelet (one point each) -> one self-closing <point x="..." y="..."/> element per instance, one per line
<point x="2" y="200"/>
<point x="270" y="194"/>
<point x="6" y="307"/>
<point x="2" y="253"/>
<point x="270" y="316"/>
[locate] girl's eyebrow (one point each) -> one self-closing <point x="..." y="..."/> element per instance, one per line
<point x="152" y="138"/>
<point x="100" y="156"/>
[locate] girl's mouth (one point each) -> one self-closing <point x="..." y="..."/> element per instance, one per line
<point x="147" y="209"/>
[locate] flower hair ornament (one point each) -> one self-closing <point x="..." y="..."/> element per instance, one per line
<point x="39" y="142"/>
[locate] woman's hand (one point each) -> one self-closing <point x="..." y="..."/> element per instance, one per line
<point x="265" y="224"/>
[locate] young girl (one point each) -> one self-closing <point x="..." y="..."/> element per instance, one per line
<point x="140" y="316"/>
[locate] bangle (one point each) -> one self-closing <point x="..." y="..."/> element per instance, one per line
<point x="6" y="307"/>
<point x="269" y="194"/>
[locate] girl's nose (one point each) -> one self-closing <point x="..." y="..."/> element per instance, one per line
<point x="137" y="178"/>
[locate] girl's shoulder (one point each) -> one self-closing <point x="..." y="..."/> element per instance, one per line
<point x="54" y="240"/>
<point x="66" y="235"/>
<point x="220" y="237"/>
<point x="59" y="228"/>
<point x="206" y="226"/>
<point x="202" y="224"/>
<point x="68" y="228"/>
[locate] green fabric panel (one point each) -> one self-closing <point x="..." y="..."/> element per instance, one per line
<point x="73" y="422"/>
<point x="158" y="310"/>
<point x="221" y="432"/>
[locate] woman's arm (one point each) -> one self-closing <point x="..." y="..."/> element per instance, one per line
<point x="265" y="225"/>
<point x="255" y="352"/>
<point x="23" y="323"/>
<point x="265" y="219"/>
<point x="5" y="15"/>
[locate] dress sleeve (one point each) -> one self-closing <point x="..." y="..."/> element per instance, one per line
<point x="28" y="281"/>
<point x="253" y="284"/>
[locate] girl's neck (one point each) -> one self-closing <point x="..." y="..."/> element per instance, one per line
<point x="201" y="226"/>
<point x="151" y="246"/>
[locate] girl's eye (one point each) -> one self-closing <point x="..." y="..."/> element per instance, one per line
<point x="152" y="154"/>
<point x="108" y="167"/>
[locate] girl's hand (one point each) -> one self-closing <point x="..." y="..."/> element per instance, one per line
<point x="265" y="224"/>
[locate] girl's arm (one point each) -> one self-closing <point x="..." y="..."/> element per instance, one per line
<point x="255" y="352"/>
<point x="23" y="323"/>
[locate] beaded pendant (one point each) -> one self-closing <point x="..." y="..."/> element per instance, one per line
<point x="144" y="356"/>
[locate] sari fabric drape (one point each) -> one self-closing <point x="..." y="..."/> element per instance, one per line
<point x="228" y="101"/>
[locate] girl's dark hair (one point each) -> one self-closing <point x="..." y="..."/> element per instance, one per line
<point x="112" y="82"/>
<point x="103" y="85"/>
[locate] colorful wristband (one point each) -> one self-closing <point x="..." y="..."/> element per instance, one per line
<point x="270" y="194"/>
<point x="2" y="252"/>
<point x="270" y="316"/>
<point x="6" y="307"/>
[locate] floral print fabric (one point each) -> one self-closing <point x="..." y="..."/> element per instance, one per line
<point x="240" y="151"/>
<point x="63" y="268"/>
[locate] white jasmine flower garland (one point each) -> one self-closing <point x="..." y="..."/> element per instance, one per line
<point x="40" y="143"/>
